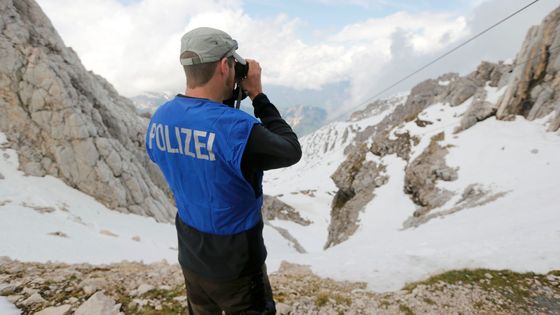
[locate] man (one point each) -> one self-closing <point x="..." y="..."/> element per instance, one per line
<point x="213" y="157"/>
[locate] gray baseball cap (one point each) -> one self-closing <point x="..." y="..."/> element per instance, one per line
<point x="210" y="45"/>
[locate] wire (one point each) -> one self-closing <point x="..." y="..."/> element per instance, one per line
<point x="368" y="100"/>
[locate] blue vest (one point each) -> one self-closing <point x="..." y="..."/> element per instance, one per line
<point x="198" y="145"/>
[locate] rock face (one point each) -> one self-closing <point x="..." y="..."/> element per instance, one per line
<point x="70" y="123"/>
<point x="356" y="179"/>
<point x="422" y="175"/>
<point x="533" y="91"/>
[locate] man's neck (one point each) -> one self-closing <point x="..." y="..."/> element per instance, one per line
<point x="206" y="92"/>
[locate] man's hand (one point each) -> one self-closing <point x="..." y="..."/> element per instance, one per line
<point x="252" y="83"/>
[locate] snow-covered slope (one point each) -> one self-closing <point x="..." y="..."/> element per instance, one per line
<point x="307" y="185"/>
<point x="43" y="219"/>
<point x="515" y="160"/>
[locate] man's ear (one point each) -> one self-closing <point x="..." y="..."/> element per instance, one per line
<point x="224" y="66"/>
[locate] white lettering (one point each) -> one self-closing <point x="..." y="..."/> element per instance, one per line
<point x="188" y="133"/>
<point x="160" y="141"/>
<point x="198" y="145"/>
<point x="211" y="137"/>
<point x="170" y="148"/>
<point x="152" y="135"/>
<point x="164" y="141"/>
<point x="178" y="137"/>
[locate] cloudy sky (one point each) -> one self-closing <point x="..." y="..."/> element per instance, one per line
<point x="330" y="53"/>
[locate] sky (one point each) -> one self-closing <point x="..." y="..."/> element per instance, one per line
<point x="334" y="54"/>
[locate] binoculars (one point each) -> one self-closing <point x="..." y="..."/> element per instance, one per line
<point x="241" y="71"/>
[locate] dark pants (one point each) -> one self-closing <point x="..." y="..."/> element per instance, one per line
<point x="246" y="295"/>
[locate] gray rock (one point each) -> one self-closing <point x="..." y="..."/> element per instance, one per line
<point x="56" y="310"/>
<point x="92" y="285"/>
<point x="283" y="309"/>
<point x="462" y="90"/>
<point x="356" y="180"/>
<point x="143" y="289"/>
<point x="99" y="304"/>
<point x="55" y="112"/>
<point x="479" y="110"/>
<point x="35" y="298"/>
<point x="7" y="289"/>
<point x="531" y="92"/>
<point x="422" y="174"/>
<point x="273" y="208"/>
<point x="401" y="146"/>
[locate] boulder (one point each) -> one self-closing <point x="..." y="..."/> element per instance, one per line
<point x="33" y="299"/>
<point x="56" y="310"/>
<point x="99" y="304"/>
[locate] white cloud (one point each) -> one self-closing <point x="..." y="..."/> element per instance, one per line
<point x="136" y="46"/>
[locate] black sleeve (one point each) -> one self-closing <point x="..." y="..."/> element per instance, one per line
<point x="272" y="144"/>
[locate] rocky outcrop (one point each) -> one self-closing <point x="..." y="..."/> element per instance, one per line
<point x="479" y="110"/>
<point x="535" y="81"/>
<point x="474" y="196"/>
<point x="449" y="89"/>
<point x="401" y="146"/>
<point x="70" y="123"/>
<point x="275" y="209"/>
<point x="356" y="179"/>
<point x="424" y="172"/>
<point x="421" y="96"/>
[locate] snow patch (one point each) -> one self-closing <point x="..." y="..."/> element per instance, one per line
<point x="7" y="308"/>
<point x="493" y="94"/>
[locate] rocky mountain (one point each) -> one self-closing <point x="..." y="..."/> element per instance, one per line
<point x="457" y="161"/>
<point x="305" y="119"/>
<point x="150" y="101"/>
<point x="70" y="123"/>
<point x="531" y="87"/>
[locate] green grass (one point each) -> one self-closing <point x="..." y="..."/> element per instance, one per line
<point x="166" y="298"/>
<point x="429" y="301"/>
<point x="321" y="299"/>
<point x="405" y="309"/>
<point x="341" y="299"/>
<point x="512" y="286"/>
